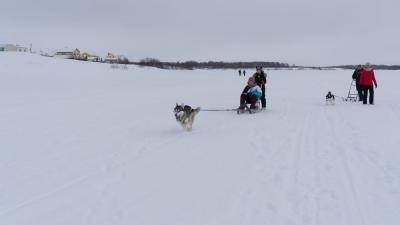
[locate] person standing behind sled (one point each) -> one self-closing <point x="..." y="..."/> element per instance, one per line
<point x="356" y="77"/>
<point x="261" y="79"/>
<point x="250" y="94"/>
<point x="367" y="81"/>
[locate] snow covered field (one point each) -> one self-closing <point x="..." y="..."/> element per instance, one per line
<point x="84" y="144"/>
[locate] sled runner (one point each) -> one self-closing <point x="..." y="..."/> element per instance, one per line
<point x="246" y="108"/>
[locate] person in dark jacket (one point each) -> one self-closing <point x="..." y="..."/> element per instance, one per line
<point x="356" y="77"/>
<point x="244" y="72"/>
<point x="367" y="82"/>
<point x="261" y="79"/>
<point x="240" y="73"/>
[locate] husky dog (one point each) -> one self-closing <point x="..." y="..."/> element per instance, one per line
<point x="185" y="114"/>
<point x="330" y="99"/>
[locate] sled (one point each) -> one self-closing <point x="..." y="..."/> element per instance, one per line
<point x="247" y="109"/>
<point x="352" y="95"/>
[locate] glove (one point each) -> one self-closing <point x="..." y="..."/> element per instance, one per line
<point x="376" y="86"/>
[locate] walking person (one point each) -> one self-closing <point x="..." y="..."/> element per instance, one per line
<point x="261" y="79"/>
<point x="244" y="73"/>
<point x="356" y="78"/>
<point x="367" y="82"/>
<point x="240" y="73"/>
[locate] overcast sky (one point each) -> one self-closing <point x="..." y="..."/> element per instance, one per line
<point x="303" y="32"/>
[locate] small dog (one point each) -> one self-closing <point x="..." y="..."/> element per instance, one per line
<point x="330" y="99"/>
<point x="185" y="114"/>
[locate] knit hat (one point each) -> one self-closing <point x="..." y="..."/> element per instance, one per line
<point x="251" y="81"/>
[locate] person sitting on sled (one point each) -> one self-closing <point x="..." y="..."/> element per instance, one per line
<point x="251" y="93"/>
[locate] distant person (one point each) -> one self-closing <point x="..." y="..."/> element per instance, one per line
<point x="367" y="82"/>
<point x="356" y="77"/>
<point x="261" y="79"/>
<point x="240" y="73"/>
<point x="244" y="73"/>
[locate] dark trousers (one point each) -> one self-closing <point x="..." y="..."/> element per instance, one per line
<point x="249" y="99"/>
<point x="263" y="100"/>
<point x="360" y="92"/>
<point x="365" y="90"/>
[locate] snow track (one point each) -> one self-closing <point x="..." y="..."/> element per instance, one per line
<point x="83" y="144"/>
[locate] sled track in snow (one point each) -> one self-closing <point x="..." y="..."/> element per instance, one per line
<point x="343" y="153"/>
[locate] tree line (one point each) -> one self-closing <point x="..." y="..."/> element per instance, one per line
<point x="189" y="65"/>
<point x="377" y="67"/>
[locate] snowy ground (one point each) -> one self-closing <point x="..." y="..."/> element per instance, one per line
<point x="83" y="144"/>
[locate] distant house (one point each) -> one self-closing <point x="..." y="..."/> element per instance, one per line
<point x="91" y="57"/>
<point x="67" y="54"/>
<point x="111" y="58"/>
<point x="88" y="57"/>
<point x="12" y="48"/>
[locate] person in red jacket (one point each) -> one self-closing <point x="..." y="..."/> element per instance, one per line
<point x="367" y="82"/>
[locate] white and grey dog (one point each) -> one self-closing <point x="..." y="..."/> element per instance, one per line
<point x="330" y="98"/>
<point x="185" y="114"/>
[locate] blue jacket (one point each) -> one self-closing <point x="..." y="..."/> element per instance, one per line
<point x="256" y="91"/>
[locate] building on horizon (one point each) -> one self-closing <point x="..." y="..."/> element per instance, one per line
<point x="12" y="48"/>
